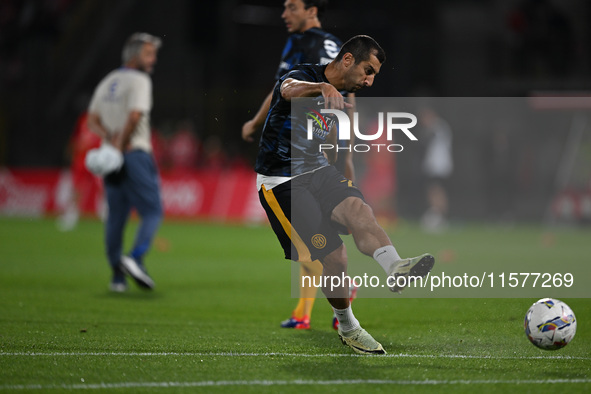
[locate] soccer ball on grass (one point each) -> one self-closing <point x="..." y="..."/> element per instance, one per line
<point x="550" y="324"/>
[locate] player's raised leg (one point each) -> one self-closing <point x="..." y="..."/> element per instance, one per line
<point x="371" y="240"/>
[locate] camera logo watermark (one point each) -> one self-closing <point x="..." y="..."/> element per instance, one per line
<point x="387" y="122"/>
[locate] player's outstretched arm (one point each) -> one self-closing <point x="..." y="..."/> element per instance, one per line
<point x="293" y="88"/>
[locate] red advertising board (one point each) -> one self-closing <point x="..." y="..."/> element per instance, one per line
<point x="221" y="195"/>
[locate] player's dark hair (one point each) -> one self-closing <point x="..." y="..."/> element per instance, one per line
<point x="362" y="47"/>
<point x="319" y="4"/>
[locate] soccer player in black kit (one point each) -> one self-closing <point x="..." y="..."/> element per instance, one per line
<point x="307" y="43"/>
<point x="304" y="198"/>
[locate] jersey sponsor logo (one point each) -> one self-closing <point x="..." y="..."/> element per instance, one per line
<point x="331" y="48"/>
<point x="319" y="241"/>
<point x="285" y="65"/>
<point x="318" y="125"/>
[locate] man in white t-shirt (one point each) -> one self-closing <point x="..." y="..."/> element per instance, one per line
<point x="119" y="113"/>
<point x="437" y="167"/>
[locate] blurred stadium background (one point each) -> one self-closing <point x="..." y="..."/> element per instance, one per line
<point x="217" y="64"/>
<point x="61" y="330"/>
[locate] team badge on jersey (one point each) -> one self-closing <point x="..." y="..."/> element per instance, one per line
<point x="319" y="241"/>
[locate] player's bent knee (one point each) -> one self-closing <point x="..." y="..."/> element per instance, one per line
<point x="356" y="214"/>
<point x="349" y="210"/>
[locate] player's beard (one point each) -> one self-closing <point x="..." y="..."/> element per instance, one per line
<point x="353" y="87"/>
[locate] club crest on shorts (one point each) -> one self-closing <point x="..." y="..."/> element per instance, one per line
<point x="319" y="241"/>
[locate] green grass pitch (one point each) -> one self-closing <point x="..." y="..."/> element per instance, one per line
<point x="212" y="324"/>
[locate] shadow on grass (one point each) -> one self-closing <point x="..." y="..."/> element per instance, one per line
<point x="131" y="294"/>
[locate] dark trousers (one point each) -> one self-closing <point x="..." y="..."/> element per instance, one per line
<point x="137" y="186"/>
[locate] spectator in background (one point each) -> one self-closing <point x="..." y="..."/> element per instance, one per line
<point x="501" y="171"/>
<point x="85" y="186"/>
<point x="437" y="167"/>
<point x="119" y="113"/>
<point x="183" y="148"/>
<point x="379" y="181"/>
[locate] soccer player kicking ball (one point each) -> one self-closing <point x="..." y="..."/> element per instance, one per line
<point x="303" y="199"/>
<point x="307" y="43"/>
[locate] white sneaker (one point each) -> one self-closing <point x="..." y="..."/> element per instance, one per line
<point x="118" y="287"/>
<point x="361" y="342"/>
<point x="411" y="268"/>
<point x="69" y="220"/>
<point x="131" y="267"/>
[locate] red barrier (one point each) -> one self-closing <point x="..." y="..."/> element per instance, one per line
<point x="28" y="192"/>
<point x="225" y="195"/>
<point x="221" y="195"/>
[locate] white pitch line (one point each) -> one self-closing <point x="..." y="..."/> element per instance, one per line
<point x="212" y="383"/>
<point x="231" y="354"/>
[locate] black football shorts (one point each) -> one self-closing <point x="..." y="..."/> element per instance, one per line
<point x="300" y="212"/>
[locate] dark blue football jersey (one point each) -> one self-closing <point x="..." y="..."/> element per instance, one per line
<point x="287" y="152"/>
<point x="312" y="46"/>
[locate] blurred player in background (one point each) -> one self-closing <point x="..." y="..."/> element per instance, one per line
<point x="85" y="186"/>
<point x="437" y="167"/>
<point x="307" y="43"/>
<point x="306" y="199"/>
<point x="119" y="113"/>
